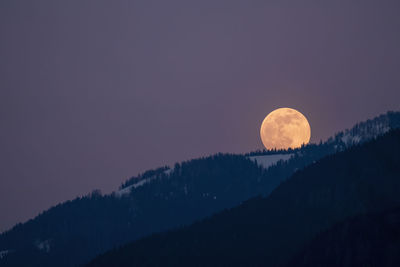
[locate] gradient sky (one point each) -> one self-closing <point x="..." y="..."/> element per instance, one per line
<point x="93" y="92"/>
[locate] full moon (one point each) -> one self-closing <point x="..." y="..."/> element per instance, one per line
<point x="285" y="128"/>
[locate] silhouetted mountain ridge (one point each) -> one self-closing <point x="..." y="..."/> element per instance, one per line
<point x="165" y="198"/>
<point x="268" y="231"/>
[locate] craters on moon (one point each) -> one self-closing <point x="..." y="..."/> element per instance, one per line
<point x="285" y="128"/>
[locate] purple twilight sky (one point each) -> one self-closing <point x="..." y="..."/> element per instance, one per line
<point x="93" y="92"/>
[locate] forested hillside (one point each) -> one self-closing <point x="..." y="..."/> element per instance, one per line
<point x="75" y="231"/>
<point x="269" y="231"/>
<point x="371" y="239"/>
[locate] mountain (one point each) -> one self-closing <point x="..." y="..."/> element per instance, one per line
<point x="268" y="231"/>
<point x="365" y="131"/>
<point x="371" y="239"/>
<point x="74" y="232"/>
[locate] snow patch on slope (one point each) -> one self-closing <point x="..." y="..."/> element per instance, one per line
<point x="168" y="172"/>
<point x="267" y="161"/>
<point x="363" y="132"/>
<point x="4" y="253"/>
<point x="127" y="190"/>
<point x="43" y="245"/>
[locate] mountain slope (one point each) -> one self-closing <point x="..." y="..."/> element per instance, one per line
<point x="268" y="231"/>
<point x="161" y="199"/>
<point x="371" y="239"/>
<point x="77" y="230"/>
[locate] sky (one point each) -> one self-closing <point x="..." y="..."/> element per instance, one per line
<point x="94" y="92"/>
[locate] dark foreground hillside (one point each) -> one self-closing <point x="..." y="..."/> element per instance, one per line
<point x="76" y="231"/>
<point x="269" y="231"/>
<point x="371" y="239"/>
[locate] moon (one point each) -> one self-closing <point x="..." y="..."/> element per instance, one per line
<point x="285" y="128"/>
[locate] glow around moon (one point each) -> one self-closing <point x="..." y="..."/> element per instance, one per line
<point x="285" y="128"/>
